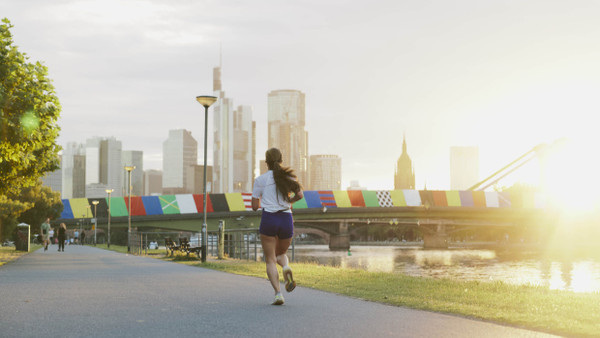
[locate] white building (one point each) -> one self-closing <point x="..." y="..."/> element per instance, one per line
<point x="234" y="143"/>
<point x="464" y="167"/>
<point x="103" y="166"/>
<point x="325" y="172"/>
<point x="286" y="115"/>
<point x="133" y="158"/>
<point x="180" y="150"/>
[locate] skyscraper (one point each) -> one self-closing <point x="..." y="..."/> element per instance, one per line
<point x="152" y="182"/>
<point x="286" y="115"/>
<point x="325" y="172"/>
<point x="73" y="170"/>
<point x="404" y="177"/>
<point x="464" y="167"/>
<point x="133" y="158"/>
<point x="53" y="179"/>
<point x="233" y="147"/>
<point x="180" y="150"/>
<point x="103" y="166"/>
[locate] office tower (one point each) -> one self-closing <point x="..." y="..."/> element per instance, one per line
<point x="73" y="170"/>
<point x="195" y="179"/>
<point x="243" y="149"/>
<point x="152" y="182"/>
<point x="133" y="158"/>
<point x="464" y="167"/>
<point x="233" y="157"/>
<point x="103" y="167"/>
<point x="286" y="115"/>
<point x="325" y="172"/>
<point x="53" y="180"/>
<point x="180" y="151"/>
<point x="404" y="178"/>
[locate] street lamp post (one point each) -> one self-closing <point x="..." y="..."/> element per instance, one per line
<point x="109" y="191"/>
<point x="95" y="203"/>
<point x="205" y="101"/>
<point x="129" y="169"/>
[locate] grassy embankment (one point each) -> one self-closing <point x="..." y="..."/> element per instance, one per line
<point x="536" y="308"/>
<point x="8" y="253"/>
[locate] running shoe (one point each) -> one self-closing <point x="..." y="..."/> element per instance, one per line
<point x="290" y="284"/>
<point x="278" y="299"/>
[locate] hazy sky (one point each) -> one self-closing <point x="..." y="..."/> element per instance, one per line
<point x="501" y="75"/>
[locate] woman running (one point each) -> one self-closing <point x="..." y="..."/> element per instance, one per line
<point x="275" y="191"/>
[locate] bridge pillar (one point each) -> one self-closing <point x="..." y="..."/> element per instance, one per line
<point x="340" y="240"/>
<point x="436" y="237"/>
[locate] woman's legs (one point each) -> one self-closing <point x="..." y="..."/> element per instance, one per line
<point x="275" y="250"/>
<point x="281" y="251"/>
<point x="269" y="244"/>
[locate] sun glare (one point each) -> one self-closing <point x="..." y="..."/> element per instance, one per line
<point x="570" y="177"/>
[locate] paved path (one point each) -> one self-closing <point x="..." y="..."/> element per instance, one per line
<point x="89" y="292"/>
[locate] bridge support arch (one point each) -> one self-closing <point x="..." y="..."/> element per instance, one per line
<point x="435" y="235"/>
<point x="340" y="240"/>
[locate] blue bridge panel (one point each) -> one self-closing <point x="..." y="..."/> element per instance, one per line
<point x="152" y="205"/>
<point x="67" y="211"/>
<point x="313" y="200"/>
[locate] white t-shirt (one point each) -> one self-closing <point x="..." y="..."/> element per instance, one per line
<point x="271" y="199"/>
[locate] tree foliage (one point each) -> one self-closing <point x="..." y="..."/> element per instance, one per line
<point x="45" y="203"/>
<point x="29" y="111"/>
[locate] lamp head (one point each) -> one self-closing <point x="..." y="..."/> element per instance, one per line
<point x="95" y="202"/>
<point x="129" y="168"/>
<point x="108" y="191"/>
<point x="206" y="101"/>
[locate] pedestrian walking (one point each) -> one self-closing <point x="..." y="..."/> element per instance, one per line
<point x="45" y="229"/>
<point x="82" y="237"/>
<point x="62" y="236"/>
<point x="275" y="191"/>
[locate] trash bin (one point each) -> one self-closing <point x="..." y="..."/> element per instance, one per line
<point x="22" y="240"/>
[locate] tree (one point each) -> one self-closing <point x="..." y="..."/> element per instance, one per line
<point x="45" y="203"/>
<point x="29" y="111"/>
<point x="9" y="211"/>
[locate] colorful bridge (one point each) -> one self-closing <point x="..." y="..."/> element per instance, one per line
<point x="77" y="208"/>
<point x="435" y="212"/>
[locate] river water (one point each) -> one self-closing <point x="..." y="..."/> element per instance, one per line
<point x="579" y="272"/>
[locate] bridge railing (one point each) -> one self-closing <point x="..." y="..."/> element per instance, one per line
<point x="238" y="243"/>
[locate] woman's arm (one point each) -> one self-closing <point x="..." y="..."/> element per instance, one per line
<point x="255" y="203"/>
<point x="297" y="196"/>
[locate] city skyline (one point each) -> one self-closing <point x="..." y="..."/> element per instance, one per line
<point x="500" y="76"/>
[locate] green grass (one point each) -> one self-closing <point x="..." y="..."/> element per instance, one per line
<point x="536" y="308"/>
<point x="9" y="253"/>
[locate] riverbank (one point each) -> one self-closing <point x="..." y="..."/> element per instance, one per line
<point x="536" y="308"/>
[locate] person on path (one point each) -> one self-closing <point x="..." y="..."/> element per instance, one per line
<point x="82" y="237"/>
<point x="45" y="229"/>
<point x="62" y="236"/>
<point x="275" y="191"/>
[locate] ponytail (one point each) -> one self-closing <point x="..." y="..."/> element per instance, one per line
<point x="285" y="179"/>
